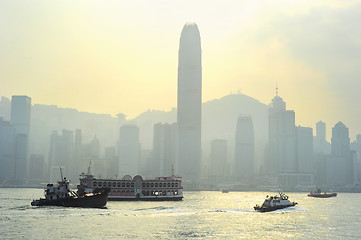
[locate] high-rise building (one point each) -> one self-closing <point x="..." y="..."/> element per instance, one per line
<point x="244" y="148"/>
<point x="164" y="149"/>
<point x="218" y="161"/>
<point x="111" y="162"/>
<point x="129" y="150"/>
<point x="7" y="145"/>
<point x="281" y="138"/>
<point x="304" y="149"/>
<point x="36" y="167"/>
<point x="341" y="155"/>
<point x="78" y="165"/>
<point x="340" y="141"/>
<point x="20" y="119"/>
<point x="61" y="154"/>
<point x="189" y="103"/>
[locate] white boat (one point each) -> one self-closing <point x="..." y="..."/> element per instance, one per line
<point x="318" y="194"/>
<point x="275" y="202"/>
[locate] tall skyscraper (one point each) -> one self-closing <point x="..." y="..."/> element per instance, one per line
<point x="189" y="104"/>
<point x="244" y="148"/>
<point x="281" y="138"/>
<point x="164" y="149"/>
<point x="129" y="150"/>
<point x="61" y="154"/>
<point x="304" y="149"/>
<point x="339" y="165"/>
<point x="320" y="140"/>
<point x="218" y="161"/>
<point x="20" y="119"/>
<point x="340" y="141"/>
<point x="7" y="144"/>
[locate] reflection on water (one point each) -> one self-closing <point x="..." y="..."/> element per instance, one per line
<point x="200" y="215"/>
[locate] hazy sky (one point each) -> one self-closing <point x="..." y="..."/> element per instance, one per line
<point x="121" y="56"/>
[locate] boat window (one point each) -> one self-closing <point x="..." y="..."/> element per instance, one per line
<point x="94" y="184"/>
<point x="168" y="184"/>
<point x="114" y="184"/>
<point x="104" y="184"/>
<point x="176" y="184"/>
<point x="118" y="184"/>
<point x="143" y="184"/>
<point x="123" y="184"/>
<point x="152" y="185"/>
<point x="156" y="184"/>
<point x="132" y="184"/>
<point x="109" y="184"/>
<point x="172" y="184"/>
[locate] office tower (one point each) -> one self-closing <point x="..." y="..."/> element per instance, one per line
<point x="36" y="167"/>
<point x="304" y="149"/>
<point x="218" y="161"/>
<point x="61" y="154"/>
<point x="20" y="119"/>
<point x="129" y="150"/>
<point x="342" y="161"/>
<point x="281" y="138"/>
<point x="244" y="148"/>
<point x="92" y="155"/>
<point x="111" y="162"/>
<point x="189" y="103"/>
<point x="78" y="165"/>
<point x="7" y="145"/>
<point x="320" y="140"/>
<point x="340" y="141"/>
<point x="164" y="149"/>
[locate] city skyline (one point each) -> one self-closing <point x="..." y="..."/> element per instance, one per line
<point x="88" y="56"/>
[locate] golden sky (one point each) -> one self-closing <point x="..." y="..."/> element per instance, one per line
<point x="121" y="56"/>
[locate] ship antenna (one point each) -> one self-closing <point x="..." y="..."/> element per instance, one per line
<point x="89" y="168"/>
<point x="172" y="171"/>
<point x="61" y="174"/>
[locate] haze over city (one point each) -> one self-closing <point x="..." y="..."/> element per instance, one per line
<point x="121" y="56"/>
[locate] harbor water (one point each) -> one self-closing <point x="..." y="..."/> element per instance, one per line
<point x="201" y="215"/>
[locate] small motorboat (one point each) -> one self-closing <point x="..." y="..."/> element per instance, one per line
<point x="60" y="195"/>
<point x="273" y="203"/>
<point x="225" y="190"/>
<point x="318" y="194"/>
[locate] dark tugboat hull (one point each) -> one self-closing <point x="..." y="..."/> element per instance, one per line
<point x="88" y="201"/>
<point x="270" y="209"/>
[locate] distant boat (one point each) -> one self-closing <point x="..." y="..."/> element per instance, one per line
<point x="60" y="195"/>
<point x="273" y="203"/>
<point x="225" y="190"/>
<point x="318" y="194"/>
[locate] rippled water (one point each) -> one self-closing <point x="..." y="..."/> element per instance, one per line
<point x="201" y="215"/>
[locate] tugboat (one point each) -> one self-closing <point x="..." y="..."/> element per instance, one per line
<point x="318" y="194"/>
<point x="60" y="195"/>
<point x="273" y="203"/>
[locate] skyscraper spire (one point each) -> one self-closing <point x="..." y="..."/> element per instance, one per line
<point x="276" y="89"/>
